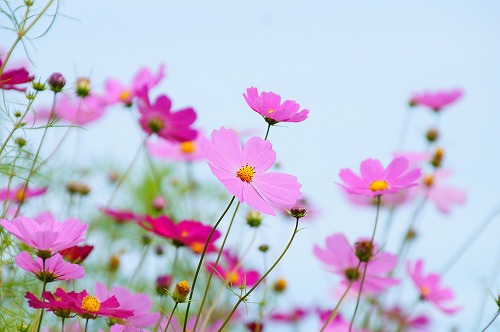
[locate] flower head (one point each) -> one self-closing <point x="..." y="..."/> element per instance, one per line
<point x="295" y="316"/>
<point x="11" y="78"/>
<point x="269" y="105"/>
<point x="121" y="216"/>
<point x="20" y="193"/>
<point x="377" y="181"/>
<point x="233" y="274"/>
<point x="436" y="100"/>
<point x="429" y="288"/>
<point x="53" y="269"/>
<point x="243" y="171"/>
<point x="176" y="151"/>
<point x="76" y="254"/>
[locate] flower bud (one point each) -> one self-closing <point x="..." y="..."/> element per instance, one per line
<point x="17" y="114"/>
<point x="279" y="285"/>
<point x="181" y="292"/>
<point x="254" y="218"/>
<point x="74" y="187"/>
<point x="432" y="135"/>
<point x="264" y="248"/>
<point x="298" y="211"/>
<point x="159" y="203"/>
<point x="20" y="141"/>
<point x="83" y="87"/>
<point x="23" y="327"/>
<point x="38" y="86"/>
<point x="163" y="284"/>
<point x="146" y="239"/>
<point x="364" y="250"/>
<point x="114" y="263"/>
<point x="437" y="159"/>
<point x="56" y="82"/>
<point x="29" y="3"/>
<point x="159" y="250"/>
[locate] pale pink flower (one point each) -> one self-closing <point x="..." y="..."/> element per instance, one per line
<point x="243" y="171"/>
<point x="444" y="196"/>
<point x="233" y="273"/>
<point x="429" y="288"/>
<point x="176" y="151"/>
<point x="376" y="181"/>
<point x="45" y="233"/>
<point x="337" y="324"/>
<point x="55" y="267"/>
<point x="436" y="100"/>
<point x="269" y="105"/>
<point x="139" y="303"/>
<point x="406" y="321"/>
<point x="340" y="258"/>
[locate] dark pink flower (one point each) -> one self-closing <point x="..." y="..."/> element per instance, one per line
<point x="56" y="305"/>
<point x="10" y="78"/>
<point x="139" y="303"/>
<point x="55" y="267"/>
<point x="233" y="273"/>
<point x="269" y="105"/>
<point x="189" y="233"/>
<point x="116" y="92"/>
<point x="121" y="216"/>
<point x="243" y="171"/>
<point x="76" y="254"/>
<point x="429" y="288"/>
<point x="376" y="181"/>
<point x="294" y="316"/>
<point x="46" y="234"/>
<point x="158" y="119"/>
<point x="340" y="258"/>
<point x="436" y="100"/>
<point x="19" y="194"/>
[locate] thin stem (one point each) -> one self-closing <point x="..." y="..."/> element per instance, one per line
<point x="86" y="324"/>
<point x="491" y="322"/>
<point x="404" y="129"/>
<point x="267" y="132"/>
<point x="41" y="296"/>
<point x="171" y="315"/>
<point x="243" y="298"/>
<point x="365" y="268"/>
<point x="201" y="261"/>
<point x="139" y="264"/>
<point x="174" y="262"/>
<point x="62" y="324"/>
<point x="214" y="267"/>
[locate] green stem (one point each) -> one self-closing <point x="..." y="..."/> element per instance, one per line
<point x="139" y="264"/>
<point x="491" y="322"/>
<point x="86" y="324"/>
<point x="170" y="318"/>
<point x="41" y="296"/>
<point x="243" y="298"/>
<point x="201" y="261"/>
<point x="62" y="324"/>
<point x="267" y="132"/>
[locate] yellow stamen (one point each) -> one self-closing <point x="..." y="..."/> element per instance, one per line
<point x="428" y="180"/>
<point x="20" y="195"/>
<point x="246" y="173"/>
<point x="90" y="304"/>
<point x="233" y="278"/>
<point x="184" y="233"/>
<point x="378" y="185"/>
<point x="270" y="111"/>
<point x="197" y="247"/>
<point x="424" y="291"/>
<point x="125" y="96"/>
<point x="187" y="147"/>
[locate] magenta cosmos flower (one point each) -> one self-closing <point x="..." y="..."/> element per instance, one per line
<point x="377" y="181"/>
<point x="11" y="78"/>
<point x="139" y="303"/>
<point x="429" y="288"/>
<point x="76" y="254"/>
<point x="189" y="233"/>
<point x="295" y="316"/>
<point x="232" y="273"/>
<point x="55" y="267"/>
<point x="436" y="100"/>
<point x="338" y="324"/>
<point x="46" y="234"/>
<point x="176" y="151"/>
<point x="116" y="92"/>
<point x="269" y="105"/>
<point x="340" y="258"/>
<point x="19" y="194"/>
<point x="243" y="171"/>
<point x="121" y="216"/>
<point x="158" y="119"/>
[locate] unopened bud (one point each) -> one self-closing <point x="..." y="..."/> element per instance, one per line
<point x="437" y="159"/>
<point x="181" y="292"/>
<point x="254" y="218"/>
<point x="159" y="203"/>
<point x="114" y="263"/>
<point x="83" y="87"/>
<point x="56" y="82"/>
<point x="38" y="86"/>
<point x="298" y="211"/>
<point x="30" y="95"/>
<point x="264" y="247"/>
<point x="364" y="250"/>
<point x="146" y="239"/>
<point x="163" y="284"/>
<point x="428" y="180"/>
<point x="432" y="135"/>
<point x="17" y="114"/>
<point x="20" y="141"/>
<point x="23" y="327"/>
<point x="410" y="235"/>
<point x="74" y="187"/>
<point x="279" y="285"/>
<point x="159" y="250"/>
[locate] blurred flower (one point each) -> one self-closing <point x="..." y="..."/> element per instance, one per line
<point x="341" y="259"/>
<point x="76" y="254"/>
<point x="181" y="291"/>
<point x="338" y="324"/>
<point x="294" y="316"/>
<point x="19" y="194"/>
<point x="116" y="92"/>
<point x="176" y="151"/>
<point x="404" y="321"/>
<point x="269" y="105"/>
<point x="442" y="195"/>
<point x="429" y="288"/>
<point x="242" y="171"/>
<point x="140" y="304"/>
<point x="158" y="119"/>
<point x="53" y="269"/>
<point x="10" y="78"/>
<point x="436" y="100"/>
<point x="121" y="216"/>
<point x="163" y="284"/>
<point x="46" y="234"/>
<point x="232" y="273"/>
<point x="376" y="181"/>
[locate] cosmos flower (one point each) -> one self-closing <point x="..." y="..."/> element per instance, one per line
<point x="45" y="233"/>
<point x="269" y="105"/>
<point x="338" y="323"/>
<point x="243" y="171"/>
<point x="405" y="321"/>
<point x="176" y="151"/>
<point x="19" y="194"/>
<point x="11" y="78"/>
<point x="377" y="181"/>
<point x="53" y="269"/>
<point x="116" y="92"/>
<point x="444" y="196"/>
<point x="233" y="273"/>
<point x="76" y="254"/>
<point x="294" y="316"/>
<point x="340" y="258"/>
<point x="121" y="216"/>
<point x="436" y="100"/>
<point x="429" y="288"/>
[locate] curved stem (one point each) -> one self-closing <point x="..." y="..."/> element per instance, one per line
<point x="267" y="132"/>
<point x="243" y="298"/>
<point x="201" y="261"/>
<point x="171" y="315"/>
<point x="491" y="322"/>
<point x="139" y="264"/>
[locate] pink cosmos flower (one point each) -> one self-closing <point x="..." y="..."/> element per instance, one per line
<point x="232" y="273"/>
<point x="269" y="105"/>
<point x="404" y="320"/>
<point x="429" y="288"/>
<point x="116" y="92"/>
<point x="189" y="233"/>
<point x="19" y="194"/>
<point x="124" y="328"/>
<point x="338" y="324"/>
<point x="436" y="100"/>
<point x="55" y="267"/>
<point x="121" y="216"/>
<point x="76" y="254"/>
<point x="243" y="171"/>
<point x="294" y="316"/>
<point x="10" y="78"/>
<point x="377" y="181"/>
<point x="46" y="234"/>
<point x="139" y="303"/>
<point x="444" y="196"/>
<point x="176" y="151"/>
<point x="158" y="119"/>
<point x="341" y="259"/>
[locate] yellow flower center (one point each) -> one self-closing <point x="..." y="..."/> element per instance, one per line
<point x="378" y="185"/>
<point x="125" y="96"/>
<point x="184" y="233"/>
<point x="20" y="195"/>
<point x="183" y="287"/>
<point x="424" y="291"/>
<point x="246" y="173"/>
<point x="233" y="278"/>
<point x="197" y="247"/>
<point x="428" y="180"/>
<point x="187" y="147"/>
<point x="91" y="304"/>
<point x="270" y="111"/>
